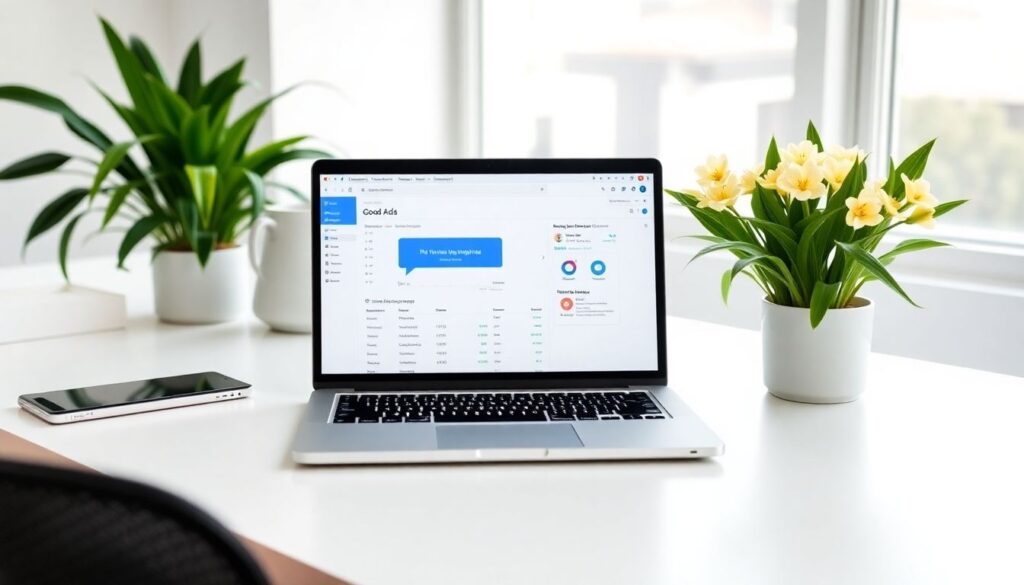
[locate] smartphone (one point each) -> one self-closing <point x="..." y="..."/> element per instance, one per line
<point x="92" y="402"/>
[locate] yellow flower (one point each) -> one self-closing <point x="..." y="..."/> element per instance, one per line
<point x="768" y="181"/>
<point x="922" y="216"/>
<point x="750" y="179"/>
<point x="803" y="181"/>
<point x="889" y="204"/>
<point x="714" y="171"/>
<point x="801" y="153"/>
<point x="864" y="209"/>
<point x="853" y="154"/>
<point x="721" y="194"/>
<point x="836" y="170"/>
<point x="919" y="192"/>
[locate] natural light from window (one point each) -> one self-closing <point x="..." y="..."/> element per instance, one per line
<point x="675" y="79"/>
<point x="958" y="77"/>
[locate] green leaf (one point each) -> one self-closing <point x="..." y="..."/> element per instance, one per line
<point x="912" y="167"/>
<point x="146" y="60"/>
<point x="874" y="268"/>
<point x="706" y="238"/>
<point x="261" y="154"/>
<point x="34" y="165"/>
<point x="685" y="199"/>
<point x="197" y="143"/>
<point x="189" y="219"/>
<point x="890" y="183"/>
<point x="810" y="257"/>
<point x="136" y="234"/>
<point x="944" y="208"/>
<point x="113" y="157"/>
<point x="731" y="246"/>
<point x="781" y="234"/>
<point x="204" y="244"/>
<point x="54" y="212"/>
<point x="236" y="137"/>
<point x="772" y="158"/>
<point x="770" y="264"/>
<point x="721" y="224"/>
<point x="116" y="200"/>
<point x="203" y="180"/>
<point x="768" y="205"/>
<point x="131" y="73"/>
<point x="851" y="186"/>
<point x="812" y="135"/>
<point x="258" y="193"/>
<point x="190" y="81"/>
<point x="65" y="240"/>
<point x="77" y="124"/>
<point x="727" y="277"/>
<point x="822" y="297"/>
<point x="172" y="107"/>
<point x="136" y="123"/>
<point x="912" y="245"/>
<point x="291" y="155"/>
<point x="222" y="86"/>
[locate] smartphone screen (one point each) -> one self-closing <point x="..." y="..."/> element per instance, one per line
<point x="91" y="397"/>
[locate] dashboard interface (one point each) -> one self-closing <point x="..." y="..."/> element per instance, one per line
<point x="495" y="273"/>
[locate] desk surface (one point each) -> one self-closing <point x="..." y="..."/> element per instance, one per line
<point x="920" y="481"/>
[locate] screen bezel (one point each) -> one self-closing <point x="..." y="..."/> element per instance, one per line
<point x="218" y="380"/>
<point x="470" y="380"/>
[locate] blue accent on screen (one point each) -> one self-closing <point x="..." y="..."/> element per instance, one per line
<point x="338" y="211"/>
<point x="416" y="253"/>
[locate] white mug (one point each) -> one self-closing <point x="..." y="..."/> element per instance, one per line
<point x="279" y="251"/>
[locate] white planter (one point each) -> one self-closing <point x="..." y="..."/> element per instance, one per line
<point x="281" y="256"/>
<point x="184" y="292"/>
<point x="826" y="365"/>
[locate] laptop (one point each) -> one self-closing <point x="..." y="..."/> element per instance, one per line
<point x="491" y="310"/>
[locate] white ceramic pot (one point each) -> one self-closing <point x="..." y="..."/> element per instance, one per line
<point x="185" y="292"/>
<point x="826" y="365"/>
<point x="280" y="250"/>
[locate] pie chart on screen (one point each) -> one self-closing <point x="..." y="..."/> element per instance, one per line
<point x="569" y="267"/>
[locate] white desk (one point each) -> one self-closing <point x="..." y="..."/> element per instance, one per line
<point x="921" y="481"/>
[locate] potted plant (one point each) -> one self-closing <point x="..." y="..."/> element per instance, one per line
<point x="810" y="244"/>
<point x="200" y="188"/>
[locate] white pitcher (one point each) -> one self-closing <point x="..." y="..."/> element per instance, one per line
<point x="279" y="250"/>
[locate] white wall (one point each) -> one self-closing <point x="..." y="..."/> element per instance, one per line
<point x="389" y="67"/>
<point x="57" y="45"/>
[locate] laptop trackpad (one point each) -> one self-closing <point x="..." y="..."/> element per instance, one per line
<point x="505" y="436"/>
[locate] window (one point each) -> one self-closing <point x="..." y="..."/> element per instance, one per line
<point x="957" y="77"/>
<point x="675" y="79"/>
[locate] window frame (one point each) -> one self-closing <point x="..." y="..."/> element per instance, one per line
<point x="991" y="255"/>
<point x="845" y="79"/>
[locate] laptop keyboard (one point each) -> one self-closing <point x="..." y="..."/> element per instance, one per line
<point x="496" y="407"/>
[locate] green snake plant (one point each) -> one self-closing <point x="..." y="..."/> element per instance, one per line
<point x="201" y="183"/>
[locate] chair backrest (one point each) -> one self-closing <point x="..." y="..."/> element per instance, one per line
<point x="60" y="526"/>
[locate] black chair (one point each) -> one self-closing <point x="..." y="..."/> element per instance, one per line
<point x="59" y="526"/>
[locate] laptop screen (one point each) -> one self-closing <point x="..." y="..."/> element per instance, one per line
<point x="487" y="273"/>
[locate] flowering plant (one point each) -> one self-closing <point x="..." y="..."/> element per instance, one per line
<point x="816" y="220"/>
